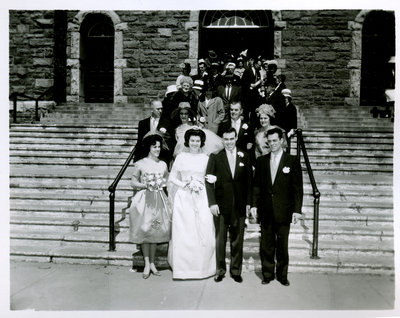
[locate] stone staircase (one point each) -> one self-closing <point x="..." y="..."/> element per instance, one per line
<point x="61" y="168"/>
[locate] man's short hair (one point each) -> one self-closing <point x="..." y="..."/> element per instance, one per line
<point x="275" y="130"/>
<point x="237" y="103"/>
<point x="230" y="130"/>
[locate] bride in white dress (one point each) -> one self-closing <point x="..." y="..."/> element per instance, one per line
<point x="191" y="251"/>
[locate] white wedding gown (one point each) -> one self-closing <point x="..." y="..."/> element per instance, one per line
<point x="191" y="251"/>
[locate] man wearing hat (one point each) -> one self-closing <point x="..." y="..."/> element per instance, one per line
<point x="202" y="73"/>
<point x="229" y="92"/>
<point x="287" y="117"/>
<point x="215" y="77"/>
<point x="251" y="81"/>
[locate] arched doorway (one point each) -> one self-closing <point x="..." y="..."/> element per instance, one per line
<point x="97" y="58"/>
<point x="378" y="46"/>
<point x="235" y="31"/>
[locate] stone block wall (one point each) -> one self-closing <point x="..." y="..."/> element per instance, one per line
<point x="31" y="46"/>
<point x="317" y="47"/>
<point x="154" y="44"/>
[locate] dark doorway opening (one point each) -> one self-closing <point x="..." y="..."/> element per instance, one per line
<point x="97" y="58"/>
<point x="235" y="31"/>
<point x="378" y="46"/>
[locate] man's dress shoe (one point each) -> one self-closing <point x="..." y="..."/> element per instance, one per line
<point x="218" y="278"/>
<point x="266" y="281"/>
<point x="237" y="278"/>
<point x="284" y="282"/>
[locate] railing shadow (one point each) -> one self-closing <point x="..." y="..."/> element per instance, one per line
<point x="14" y="97"/>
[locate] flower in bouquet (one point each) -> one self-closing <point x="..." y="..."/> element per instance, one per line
<point x="195" y="185"/>
<point x="154" y="181"/>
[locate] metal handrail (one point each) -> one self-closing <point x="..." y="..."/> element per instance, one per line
<point x="14" y="97"/>
<point x="316" y="194"/>
<point x="111" y="189"/>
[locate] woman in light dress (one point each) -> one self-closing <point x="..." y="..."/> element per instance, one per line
<point x="150" y="211"/>
<point x="187" y="119"/>
<point x="191" y="253"/>
<point x="265" y="113"/>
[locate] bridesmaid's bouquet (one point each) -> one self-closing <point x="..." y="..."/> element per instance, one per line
<point x="195" y="185"/>
<point x="154" y="181"/>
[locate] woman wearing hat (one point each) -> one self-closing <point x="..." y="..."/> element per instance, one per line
<point x="288" y="115"/>
<point x="150" y="211"/>
<point x="191" y="252"/>
<point x="186" y="69"/>
<point x="187" y="121"/>
<point x="265" y="113"/>
<point x="186" y="94"/>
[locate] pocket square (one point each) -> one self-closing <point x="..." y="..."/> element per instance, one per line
<point x="241" y="164"/>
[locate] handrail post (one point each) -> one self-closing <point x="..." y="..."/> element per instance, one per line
<point x="14" y="108"/>
<point x="37" y="109"/>
<point x="111" y="221"/>
<point x="316" y="193"/>
<point x="314" y="254"/>
<point x="299" y="138"/>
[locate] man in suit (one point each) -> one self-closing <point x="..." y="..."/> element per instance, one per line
<point x="245" y="133"/>
<point x="287" y="117"/>
<point x="277" y="199"/>
<point x="153" y="123"/>
<point x="229" y="93"/>
<point x="251" y="81"/>
<point x="229" y="198"/>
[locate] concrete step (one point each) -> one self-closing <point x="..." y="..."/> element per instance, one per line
<point x="327" y="263"/>
<point x="35" y="135"/>
<point x="48" y="128"/>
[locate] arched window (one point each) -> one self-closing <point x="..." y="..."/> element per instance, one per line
<point x="233" y="31"/>
<point x="235" y="19"/>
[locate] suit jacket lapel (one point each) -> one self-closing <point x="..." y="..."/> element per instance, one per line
<point x="148" y="126"/>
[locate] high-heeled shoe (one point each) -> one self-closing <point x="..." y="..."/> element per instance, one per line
<point x="155" y="273"/>
<point x="145" y="276"/>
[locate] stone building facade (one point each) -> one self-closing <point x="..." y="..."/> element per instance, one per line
<point x="319" y="51"/>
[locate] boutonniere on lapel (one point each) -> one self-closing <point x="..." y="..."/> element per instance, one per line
<point x="240" y="154"/>
<point x="163" y="130"/>
<point x="286" y="170"/>
<point x="245" y="126"/>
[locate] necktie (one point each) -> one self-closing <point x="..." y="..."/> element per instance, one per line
<point x="274" y="167"/>
<point x="235" y="125"/>
<point x="153" y="124"/>
<point x="231" y="160"/>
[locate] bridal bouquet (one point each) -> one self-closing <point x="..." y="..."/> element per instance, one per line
<point x="154" y="181"/>
<point x="195" y="185"/>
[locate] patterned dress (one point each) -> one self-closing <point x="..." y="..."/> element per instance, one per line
<point x="150" y="211"/>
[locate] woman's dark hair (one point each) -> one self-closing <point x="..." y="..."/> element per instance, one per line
<point x="194" y="132"/>
<point x="149" y="141"/>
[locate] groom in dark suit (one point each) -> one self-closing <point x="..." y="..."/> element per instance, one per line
<point x="277" y="199"/>
<point x="229" y="198"/>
